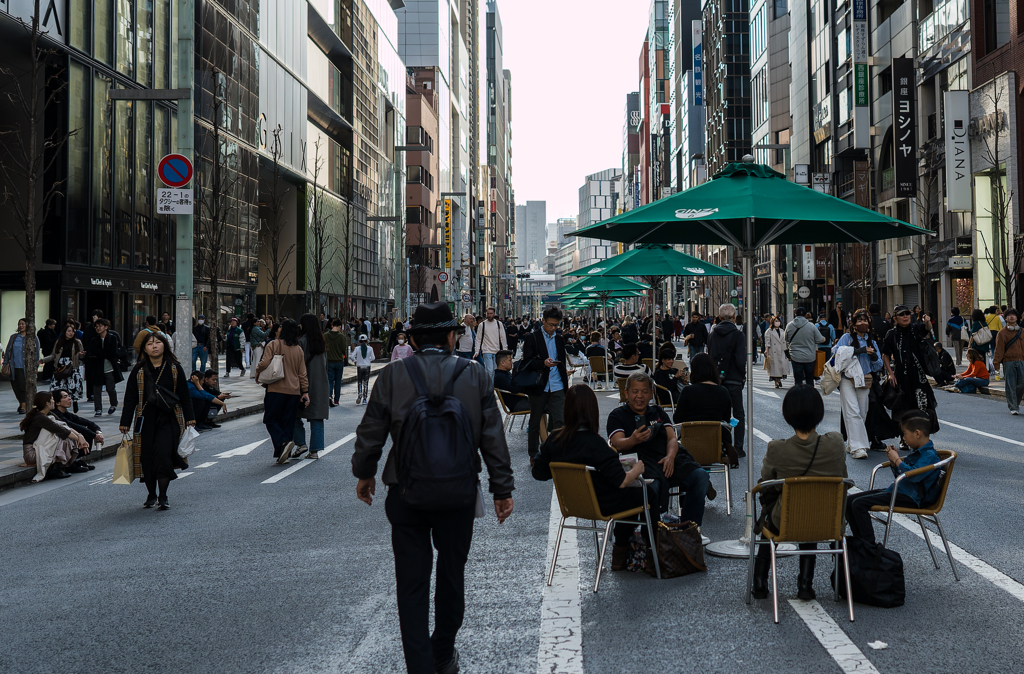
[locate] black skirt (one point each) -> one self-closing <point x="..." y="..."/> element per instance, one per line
<point x="160" y="436"/>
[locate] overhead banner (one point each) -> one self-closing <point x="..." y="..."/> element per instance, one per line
<point x="698" y="62"/>
<point x="904" y="139"/>
<point x="447" y="233"/>
<point x="861" y="100"/>
<point x="957" y="109"/>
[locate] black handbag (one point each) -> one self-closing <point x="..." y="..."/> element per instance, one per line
<point x="887" y="393"/>
<point x="162" y="397"/>
<point x="876" y="574"/>
<point x="527" y="380"/>
<point x="680" y="550"/>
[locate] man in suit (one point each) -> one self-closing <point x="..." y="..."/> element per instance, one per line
<point x="544" y="352"/>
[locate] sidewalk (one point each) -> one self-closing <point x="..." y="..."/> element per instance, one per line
<point x="247" y="398"/>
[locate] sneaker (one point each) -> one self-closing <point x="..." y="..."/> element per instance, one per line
<point x="150" y="502"/>
<point x="111" y="410"/>
<point x="452" y="667"/>
<point x="164" y="505"/>
<point x="286" y="452"/>
<point x="99" y="413"/>
<point x="1013" y="412"/>
<point x="859" y="454"/>
<point x="299" y="451"/>
<point x="313" y="455"/>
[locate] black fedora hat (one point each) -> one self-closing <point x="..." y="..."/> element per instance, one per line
<point x="432" y="317"/>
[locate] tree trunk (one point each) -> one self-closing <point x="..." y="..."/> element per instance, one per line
<point x="214" y="325"/>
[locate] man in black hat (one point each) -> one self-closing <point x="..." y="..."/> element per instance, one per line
<point x="412" y="528"/>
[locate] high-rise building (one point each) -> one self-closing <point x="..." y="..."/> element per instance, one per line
<point x="531" y="232"/>
<point x="424" y="211"/>
<point x="686" y="125"/>
<point x="498" y="235"/>
<point x="599" y="200"/>
<point x="726" y="51"/>
<point x="631" y="153"/>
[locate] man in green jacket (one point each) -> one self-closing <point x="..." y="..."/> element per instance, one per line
<point x="337" y="351"/>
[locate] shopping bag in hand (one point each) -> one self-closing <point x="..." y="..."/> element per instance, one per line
<point x="124" y="463"/>
<point x="188" y="442"/>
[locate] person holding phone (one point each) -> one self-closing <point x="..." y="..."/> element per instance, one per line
<point x="647" y="430"/>
<point x="544" y="352"/>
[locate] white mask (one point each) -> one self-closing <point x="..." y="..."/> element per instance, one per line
<point x="401" y="341"/>
<point x="201" y="321"/>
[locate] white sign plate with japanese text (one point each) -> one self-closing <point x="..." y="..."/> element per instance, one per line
<point x="173" y="202"/>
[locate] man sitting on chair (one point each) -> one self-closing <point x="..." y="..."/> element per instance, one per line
<point x="503" y="382"/>
<point x="647" y="430"/>
<point x="630" y="362"/>
<point x="595" y="348"/>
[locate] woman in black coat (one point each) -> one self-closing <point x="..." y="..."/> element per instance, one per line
<point x="705" y="399"/>
<point x="156" y="396"/>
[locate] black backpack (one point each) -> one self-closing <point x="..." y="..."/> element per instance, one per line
<point x="435" y="453"/>
<point x="824" y="330"/>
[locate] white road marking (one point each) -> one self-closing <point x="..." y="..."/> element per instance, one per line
<point x="769" y="394"/>
<point x="206" y="465"/>
<point x="104" y="478"/>
<point x="186" y="474"/>
<point x="240" y="451"/>
<point x="302" y="464"/>
<point x="986" y="571"/>
<point x="614" y="395"/>
<point x="831" y="637"/>
<point x="561" y="616"/>
<point x="987" y="435"/>
<point x="763" y="436"/>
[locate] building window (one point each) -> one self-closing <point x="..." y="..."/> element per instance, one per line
<point x="80" y="20"/>
<point x="161" y="233"/>
<point x="997" y="24"/>
<point x="78" y="165"/>
<point x="162" y="44"/>
<point x="143" y="185"/>
<point x="125" y="37"/>
<point x="101" y="163"/>
<point x="124" y="160"/>
<point x="144" y="40"/>
<point x="103" y="23"/>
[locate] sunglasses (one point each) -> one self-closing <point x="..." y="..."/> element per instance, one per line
<point x="903" y="313"/>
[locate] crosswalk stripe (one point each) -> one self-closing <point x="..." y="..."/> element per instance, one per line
<point x="769" y="394"/>
<point x="561" y="614"/>
<point x="302" y="464"/>
<point x="832" y="637"/>
<point x="982" y="433"/>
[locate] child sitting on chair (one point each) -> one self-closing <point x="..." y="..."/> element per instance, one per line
<point x="915" y="492"/>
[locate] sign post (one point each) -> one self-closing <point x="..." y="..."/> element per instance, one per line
<point x="184" y="143"/>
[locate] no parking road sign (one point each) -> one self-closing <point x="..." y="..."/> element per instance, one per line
<point x="175" y="170"/>
<point x="442" y="277"/>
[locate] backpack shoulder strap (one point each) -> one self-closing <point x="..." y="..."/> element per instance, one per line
<point x="412" y="368"/>
<point x="460" y="367"/>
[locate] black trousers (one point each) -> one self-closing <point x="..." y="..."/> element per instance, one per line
<point x="232" y="358"/>
<point x="803" y="373"/>
<point x="735" y="390"/>
<point x="540" y="404"/>
<point x="97" y="391"/>
<point x="858" y="510"/>
<point x="412" y="533"/>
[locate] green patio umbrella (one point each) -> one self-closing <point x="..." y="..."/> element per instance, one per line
<point x="600" y="284"/>
<point x="747" y="206"/>
<point x="651" y="260"/>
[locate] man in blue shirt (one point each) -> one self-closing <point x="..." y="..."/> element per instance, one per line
<point x="206" y="405"/>
<point x="544" y="352"/>
<point x="914" y="492"/>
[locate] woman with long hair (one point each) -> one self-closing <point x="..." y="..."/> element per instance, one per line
<point x="281" y="401"/>
<point x="705" y="399"/>
<point x="158" y="409"/>
<point x="579" y="442"/>
<point x="48" y="443"/>
<point x="775" y="351"/>
<point x="314" y="349"/>
<point x="854" y="399"/>
<point x="67" y="357"/>
<point x="14" y="358"/>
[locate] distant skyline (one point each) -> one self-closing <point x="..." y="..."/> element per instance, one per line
<point x="572" y="64"/>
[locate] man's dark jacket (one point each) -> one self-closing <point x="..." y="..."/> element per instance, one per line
<point x="98" y="350"/>
<point x="393" y="395"/>
<point x="80" y="424"/>
<point x="535" y="352"/>
<point x="202" y="334"/>
<point x="727" y="346"/>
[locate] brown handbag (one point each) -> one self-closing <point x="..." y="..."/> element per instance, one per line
<point x="680" y="550"/>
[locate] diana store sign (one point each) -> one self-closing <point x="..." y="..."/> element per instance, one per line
<point x="958" y="150"/>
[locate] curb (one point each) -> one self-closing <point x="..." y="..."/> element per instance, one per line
<point x="16" y="475"/>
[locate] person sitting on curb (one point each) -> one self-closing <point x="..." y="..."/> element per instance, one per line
<point x="915" y="492"/>
<point x="946" y="376"/>
<point x="975" y="377"/>
<point x="84" y="427"/>
<point x="206" y="405"/>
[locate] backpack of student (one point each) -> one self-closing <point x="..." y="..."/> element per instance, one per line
<point x="824" y="330"/>
<point x="435" y="453"/>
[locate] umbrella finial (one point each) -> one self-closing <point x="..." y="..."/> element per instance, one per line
<point x="748" y="159"/>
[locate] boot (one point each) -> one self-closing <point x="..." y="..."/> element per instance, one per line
<point x="805" y="581"/>
<point x="762" y="564"/>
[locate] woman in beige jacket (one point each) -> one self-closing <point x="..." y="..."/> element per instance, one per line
<point x="283" y="396"/>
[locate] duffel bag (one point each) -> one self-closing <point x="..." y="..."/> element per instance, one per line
<point x="876" y="574"/>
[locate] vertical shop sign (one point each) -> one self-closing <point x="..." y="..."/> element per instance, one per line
<point x="698" y="63"/>
<point x="956" y="105"/>
<point x="447" y="233"/>
<point x="861" y="100"/>
<point x="808" y="263"/>
<point x="904" y="139"/>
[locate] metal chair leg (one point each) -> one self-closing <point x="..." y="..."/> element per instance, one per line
<point x="775" y="582"/>
<point x="597" y="541"/>
<point x="888" y="523"/>
<point x="604" y="547"/>
<point x="654" y="545"/>
<point x="554" y="557"/>
<point x="846" y="573"/>
<point x="728" y="493"/>
<point x="928" y="540"/>
<point x="942" y="534"/>
<point x="522" y="424"/>
<point x="835" y="575"/>
<point x="750" y="567"/>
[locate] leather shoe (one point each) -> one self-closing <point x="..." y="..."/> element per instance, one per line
<point x="77" y="468"/>
<point x="712" y="492"/>
<point x="762" y="565"/>
<point x="452" y="667"/>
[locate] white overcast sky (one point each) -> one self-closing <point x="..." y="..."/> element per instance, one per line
<point x="572" y="64"/>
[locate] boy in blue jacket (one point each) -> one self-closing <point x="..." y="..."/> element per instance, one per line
<point x="914" y="492"/>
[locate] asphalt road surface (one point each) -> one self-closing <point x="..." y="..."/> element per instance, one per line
<point x="246" y="574"/>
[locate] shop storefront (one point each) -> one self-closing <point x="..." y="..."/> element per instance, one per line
<point x="124" y="299"/>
